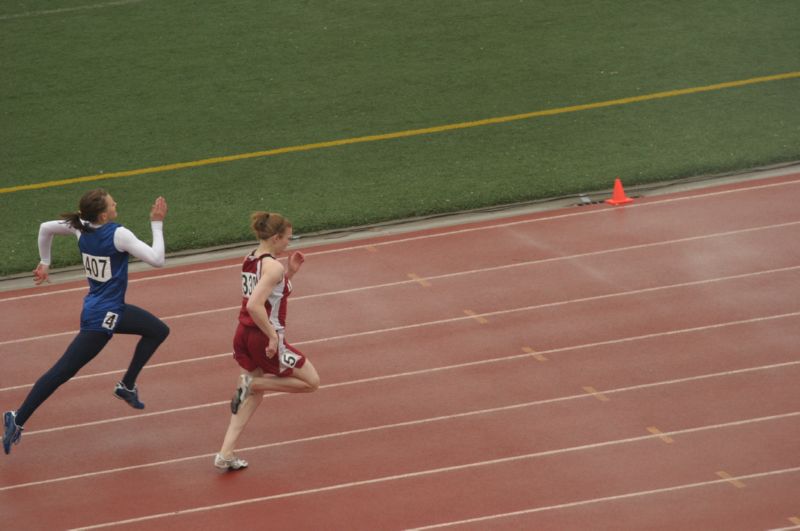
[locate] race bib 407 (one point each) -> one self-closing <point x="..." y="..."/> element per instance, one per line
<point x="97" y="267"/>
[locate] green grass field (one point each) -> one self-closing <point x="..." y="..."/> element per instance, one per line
<point x="90" y="88"/>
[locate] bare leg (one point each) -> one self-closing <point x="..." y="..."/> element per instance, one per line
<point x="238" y="423"/>
<point x="303" y="380"/>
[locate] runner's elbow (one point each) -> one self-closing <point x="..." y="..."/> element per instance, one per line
<point x="252" y="308"/>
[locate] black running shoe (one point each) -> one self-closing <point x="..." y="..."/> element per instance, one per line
<point x="131" y="396"/>
<point x="11" y="432"/>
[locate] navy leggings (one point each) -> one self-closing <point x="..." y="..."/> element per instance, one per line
<point x="87" y="344"/>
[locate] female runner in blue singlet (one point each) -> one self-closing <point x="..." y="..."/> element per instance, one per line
<point x="105" y="247"/>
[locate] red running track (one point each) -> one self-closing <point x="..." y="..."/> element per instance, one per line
<point x="596" y="367"/>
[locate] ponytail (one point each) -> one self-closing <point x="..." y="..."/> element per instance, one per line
<point x="265" y="225"/>
<point x="74" y="220"/>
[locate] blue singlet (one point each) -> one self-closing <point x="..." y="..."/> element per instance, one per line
<point x="107" y="271"/>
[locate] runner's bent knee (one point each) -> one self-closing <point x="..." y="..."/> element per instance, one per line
<point x="141" y="322"/>
<point x="308" y="374"/>
<point x="163" y="331"/>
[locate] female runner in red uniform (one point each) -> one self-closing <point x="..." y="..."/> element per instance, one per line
<point x="268" y="362"/>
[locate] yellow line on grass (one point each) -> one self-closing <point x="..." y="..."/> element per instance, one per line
<point x="401" y="134"/>
<point x="67" y="9"/>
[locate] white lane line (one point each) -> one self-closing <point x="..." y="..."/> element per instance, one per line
<point x="84" y="288"/>
<point x="587" y="502"/>
<point x="491" y="360"/>
<point x="450" y="367"/>
<point x="122" y="371"/>
<point x="561" y="303"/>
<point x="503" y="460"/>
<point x="440" y="235"/>
<point x="417" y="373"/>
<point x="450" y="275"/>
<point x="418" y="422"/>
<point x="397" y="425"/>
<point x="67" y="9"/>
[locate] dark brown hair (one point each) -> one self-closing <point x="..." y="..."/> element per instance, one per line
<point x="92" y="204"/>
<point x="265" y="225"/>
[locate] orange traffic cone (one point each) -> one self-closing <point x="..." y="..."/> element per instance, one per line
<point x="618" y="197"/>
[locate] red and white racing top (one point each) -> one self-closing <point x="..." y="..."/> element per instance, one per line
<point x="276" y="302"/>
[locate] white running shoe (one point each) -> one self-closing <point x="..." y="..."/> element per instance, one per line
<point x="234" y="463"/>
<point x="242" y="392"/>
